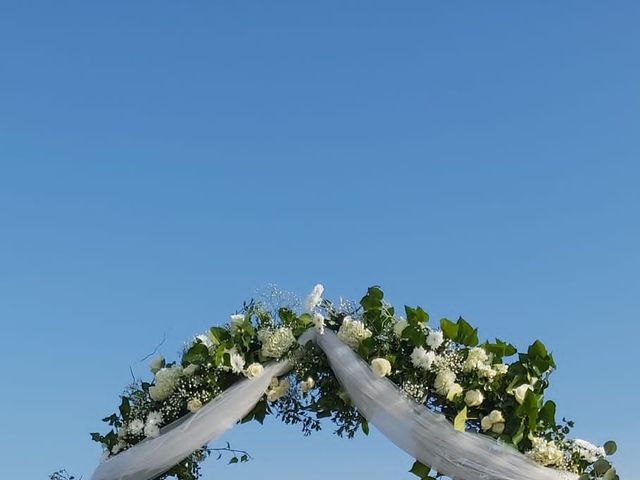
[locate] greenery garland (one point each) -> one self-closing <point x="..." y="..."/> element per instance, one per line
<point x="447" y="369"/>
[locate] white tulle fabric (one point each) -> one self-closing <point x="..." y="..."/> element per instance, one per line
<point x="423" y="434"/>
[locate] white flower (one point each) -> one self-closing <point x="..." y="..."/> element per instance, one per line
<point x="277" y="342"/>
<point x="235" y="322"/>
<point x="485" y="371"/>
<point x="381" y="367"/>
<point x="435" y="338"/>
<point x="118" y="447"/>
<point x="194" y="405"/>
<point x="254" y="370"/>
<point x="277" y="388"/>
<point x="399" y="326"/>
<point x="307" y="385"/>
<point x="587" y="450"/>
<point x="237" y="363"/>
<point x="136" y="427"/>
<point x="498" y="428"/>
<point x="454" y="391"/>
<point x="156" y="364"/>
<point x="154" y="418"/>
<point x="151" y="431"/>
<point x="444" y="381"/>
<point x="314" y="298"/>
<point x="545" y="452"/>
<point x="165" y="382"/>
<point x="501" y="368"/>
<point x="494" y="421"/>
<point x="204" y="339"/>
<point x="521" y="392"/>
<point x="190" y="369"/>
<point x="352" y="332"/>
<point x="420" y="358"/>
<point x="318" y="322"/>
<point x="473" y="398"/>
<point x="476" y="358"/>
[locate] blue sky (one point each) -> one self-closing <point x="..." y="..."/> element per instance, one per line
<point x="160" y="162"/>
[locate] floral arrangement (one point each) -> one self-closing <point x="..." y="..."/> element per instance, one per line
<point x="488" y="387"/>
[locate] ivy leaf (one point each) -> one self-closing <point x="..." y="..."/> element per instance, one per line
<point x="460" y="421"/>
<point x="373" y="299"/>
<point x="197" y="354"/>
<point x="449" y="329"/>
<point x="415" y="335"/>
<point x="548" y="413"/>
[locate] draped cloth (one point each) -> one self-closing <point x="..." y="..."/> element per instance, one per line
<point x="425" y="435"/>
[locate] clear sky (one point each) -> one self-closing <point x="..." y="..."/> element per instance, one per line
<point x="160" y="162"/>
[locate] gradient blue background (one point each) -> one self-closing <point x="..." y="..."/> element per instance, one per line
<point x="162" y="161"/>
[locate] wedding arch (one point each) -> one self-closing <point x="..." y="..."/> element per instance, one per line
<point x="458" y="406"/>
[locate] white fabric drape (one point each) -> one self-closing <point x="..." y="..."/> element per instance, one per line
<point x="423" y="434"/>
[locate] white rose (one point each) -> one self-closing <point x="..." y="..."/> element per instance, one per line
<point x="381" y="367"/>
<point x="307" y="385"/>
<point x="314" y="298"/>
<point x="194" y="405"/>
<point x="454" y="391"/>
<point x="444" y="381"/>
<point x="254" y="370"/>
<point x="435" y="338"/>
<point x="352" y="332"/>
<point x="498" y="428"/>
<point x="236" y="321"/>
<point x="496" y="416"/>
<point x="399" y="326"/>
<point x="473" y="398"/>
<point x="486" y="423"/>
<point x="277" y="389"/>
<point x="521" y="392"/>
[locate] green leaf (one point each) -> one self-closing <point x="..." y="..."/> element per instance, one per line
<point x="610" y="447"/>
<point x="460" y="421"/>
<point x="415" y="335"/>
<point x="449" y="329"/>
<point x="467" y="335"/>
<point x="125" y="407"/>
<point x="610" y="474"/>
<point x="365" y="426"/>
<point x="197" y="354"/>
<point x="373" y="299"/>
<point x="601" y="466"/>
<point x="548" y="413"/>
<point x="233" y="460"/>
<point x="218" y="335"/>
<point x="416" y="315"/>
<point x="420" y="470"/>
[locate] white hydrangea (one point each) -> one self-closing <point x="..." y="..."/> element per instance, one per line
<point x="194" y="405"/>
<point x="235" y="322"/>
<point x="307" y="385"/>
<point x="352" y="332"/>
<point x="399" y="326"/>
<point x="136" y="427"/>
<point x="435" y="338"/>
<point x="421" y="358"/>
<point x="254" y="370"/>
<point x="277" y="388"/>
<point x="485" y="371"/>
<point x="501" y="368"/>
<point x="165" y="382"/>
<point x="277" y="342"/>
<point x="546" y="452"/>
<point x="381" y="367"/>
<point x="444" y="381"/>
<point x="155" y="418"/>
<point x="476" y="358"/>
<point x="314" y="298"/>
<point x="318" y="322"/>
<point x="587" y="450"/>
<point x="152" y="426"/>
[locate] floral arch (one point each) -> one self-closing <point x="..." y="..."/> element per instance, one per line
<point x="464" y="409"/>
